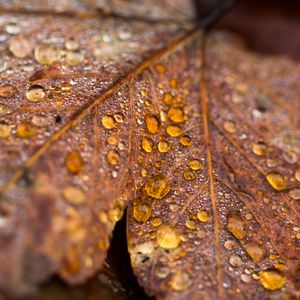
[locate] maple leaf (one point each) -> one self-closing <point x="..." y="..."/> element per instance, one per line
<point x="98" y="114"/>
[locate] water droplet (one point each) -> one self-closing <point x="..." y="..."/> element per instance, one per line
<point x="74" y="58"/>
<point x="173" y="83"/>
<point x="157" y="186"/>
<point x="156" y="222"/>
<point x="5" y="130"/>
<point x="163" y="146"/>
<point x="272" y="279"/>
<point x="242" y="88"/>
<point x="20" y="46"/>
<point x="190" y="224"/>
<point x="168" y="98"/>
<point x="141" y="210"/>
<point x="147" y="144"/>
<point x="235" y="261"/>
<point x="236" y="226"/>
<point x="276" y="180"/>
<point x="46" y="54"/>
<point x="74" y="162"/>
<point x="185" y="140"/>
<point x="180" y="281"/>
<point x="189" y="175"/>
<point x="167" y="237"/>
<point x="255" y="251"/>
<point x="113" y="157"/>
<point x="230" y="126"/>
<point x="144" y="172"/>
<point x="160" y="69"/>
<point x="162" y="272"/>
<point x="116" y="213"/>
<point x="245" y="278"/>
<point x="26" y="130"/>
<point x="103" y="244"/>
<point x="174" y="130"/>
<point x="295" y="194"/>
<point x="71" y="45"/>
<point x="12" y="28"/>
<point x="108" y="122"/>
<point x="7" y="90"/>
<point x="73" y="195"/>
<point x="176" y="114"/>
<point x="35" y="93"/>
<point x="259" y="148"/>
<point x="112" y="139"/>
<point x="195" y="164"/>
<point x="203" y="216"/>
<point x="119" y="118"/>
<point x="152" y="123"/>
<point x="297" y="174"/>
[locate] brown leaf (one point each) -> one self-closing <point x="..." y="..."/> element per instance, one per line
<point x="227" y="226"/>
<point x="96" y="111"/>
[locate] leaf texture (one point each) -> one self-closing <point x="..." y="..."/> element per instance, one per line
<point x="199" y="138"/>
<point x="229" y="225"/>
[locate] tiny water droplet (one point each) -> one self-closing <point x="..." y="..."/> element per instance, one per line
<point x="173" y="83"/>
<point x="167" y="237"/>
<point x="26" y="130"/>
<point x="157" y="186"/>
<point x="185" y="140"/>
<point x="7" y="90"/>
<point x="230" y="126"/>
<point x="152" y="123"/>
<point x="190" y="224"/>
<point x="174" y="130"/>
<point x="272" y="279"/>
<point x="74" y="162"/>
<point x="276" y="180"/>
<point x="195" y="164"/>
<point x="259" y="148"/>
<point x="108" y="122"/>
<point x="160" y="69"/>
<point x="203" y="216"/>
<point x="35" y="93"/>
<point x="156" y="222"/>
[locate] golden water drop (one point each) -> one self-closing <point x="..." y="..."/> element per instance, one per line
<point x="272" y="279"/>
<point x="157" y="186"/>
<point x="144" y="172"/>
<point x="203" y="216"/>
<point x="112" y="139"/>
<point x="116" y="213"/>
<point x="74" y="162"/>
<point x="276" y="180"/>
<point x="176" y="114"/>
<point x="152" y="124"/>
<point x="236" y="226"/>
<point x="189" y="175"/>
<point x="163" y="146"/>
<point x="173" y="83"/>
<point x="73" y="195"/>
<point x="20" y="46"/>
<point x="35" y="93"/>
<point x="113" y="157"/>
<point x="26" y="130"/>
<point x="230" y="126"/>
<point x="174" y="130"/>
<point x="255" y="251"/>
<point x="147" y="144"/>
<point x="235" y="261"/>
<point x="168" y="98"/>
<point x="259" y="148"/>
<point x="5" y="130"/>
<point x="108" y="122"/>
<point x="190" y="224"/>
<point x="119" y="118"/>
<point x="185" y="140"/>
<point x="295" y="194"/>
<point x="160" y="69"/>
<point x="297" y="174"/>
<point x="141" y="211"/>
<point x="7" y="90"/>
<point x="195" y="164"/>
<point x="180" y="281"/>
<point x="74" y="58"/>
<point x="156" y="222"/>
<point x="167" y="237"/>
<point x="46" y="54"/>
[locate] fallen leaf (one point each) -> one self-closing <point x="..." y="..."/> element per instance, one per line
<point x="98" y="113"/>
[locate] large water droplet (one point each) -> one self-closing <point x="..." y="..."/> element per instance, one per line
<point x="276" y="180"/>
<point x="167" y="237"/>
<point x="259" y="148"/>
<point x="152" y="123"/>
<point x="176" y="114"/>
<point x="157" y="186"/>
<point x="7" y="90"/>
<point x="272" y="279"/>
<point x="174" y="130"/>
<point x="35" y="93"/>
<point x="180" y="281"/>
<point x="108" y="122"/>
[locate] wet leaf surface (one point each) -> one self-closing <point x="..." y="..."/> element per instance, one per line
<point x="196" y="136"/>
